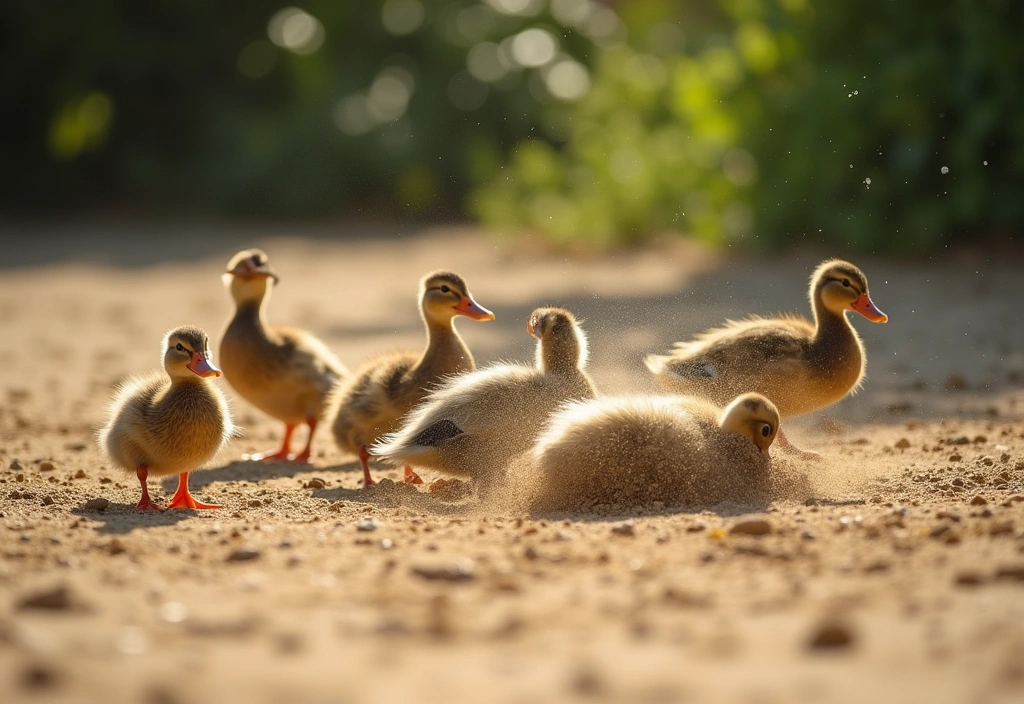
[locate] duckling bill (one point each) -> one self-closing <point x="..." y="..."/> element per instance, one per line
<point x="169" y="423"/>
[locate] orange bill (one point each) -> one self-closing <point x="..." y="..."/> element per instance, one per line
<point x="471" y="309"/>
<point x="865" y="307"/>
<point x="202" y="366"/>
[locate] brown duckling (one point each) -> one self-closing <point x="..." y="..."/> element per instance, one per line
<point x="169" y="423"/>
<point x="474" y="424"/>
<point x="375" y="399"/>
<point x="284" y="372"/>
<point x="801" y="366"/>
<point x="633" y="451"/>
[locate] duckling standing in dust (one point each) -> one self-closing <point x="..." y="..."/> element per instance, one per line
<point x="801" y="366"/>
<point x="630" y="452"/>
<point x="376" y="398"/>
<point x="169" y="423"/>
<point x="476" y="423"/>
<point x="284" y="372"/>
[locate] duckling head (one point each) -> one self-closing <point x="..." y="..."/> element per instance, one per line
<point x="444" y="295"/>
<point x="752" y="416"/>
<point x="840" y="286"/>
<point x="248" y="276"/>
<point x="561" y="342"/>
<point x="187" y="354"/>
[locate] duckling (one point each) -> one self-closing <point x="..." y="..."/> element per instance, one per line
<point x="801" y="366"/>
<point x="633" y="451"/>
<point x="166" y="424"/>
<point x="475" y="423"/>
<point x="284" y="372"/>
<point x="375" y="399"/>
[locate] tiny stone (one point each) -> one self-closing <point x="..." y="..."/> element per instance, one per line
<point x="831" y="635"/>
<point x="969" y="578"/>
<point x="80" y="474"/>
<point x="1015" y="572"/>
<point x="367" y="524"/>
<point x="315" y="483"/>
<point x="47" y="501"/>
<point x="116" y="547"/>
<point x="978" y="500"/>
<point x="626" y="529"/>
<point x="955" y="457"/>
<point x="243" y="555"/>
<point x="46" y="466"/>
<point x="751" y="526"/>
<point x="459" y="570"/>
<point x="15" y="464"/>
<point x="54" y="599"/>
<point x="99" y="504"/>
<point x="902" y="444"/>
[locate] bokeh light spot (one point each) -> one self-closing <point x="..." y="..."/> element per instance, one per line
<point x="520" y="8"/>
<point x="534" y="47"/>
<point x="567" y="80"/>
<point x="296" y="30"/>
<point x="484" y="62"/>
<point x="401" y="17"/>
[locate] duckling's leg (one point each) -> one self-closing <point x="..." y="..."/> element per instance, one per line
<point x="364" y="457"/>
<point x="183" y="497"/>
<point x="145" y="503"/>
<point x="282" y="452"/>
<point x="786" y="446"/>
<point x="411" y="477"/>
<point x="304" y="455"/>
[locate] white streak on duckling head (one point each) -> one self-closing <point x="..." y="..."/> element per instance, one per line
<point x="248" y="276"/>
<point x="187" y="354"/>
<point x="752" y="416"/>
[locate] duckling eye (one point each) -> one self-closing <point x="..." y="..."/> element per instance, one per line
<point x="445" y="289"/>
<point x="179" y="347"/>
<point x="766" y="430"/>
<point x="846" y="283"/>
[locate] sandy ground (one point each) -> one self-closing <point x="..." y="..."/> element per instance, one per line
<point x="901" y="578"/>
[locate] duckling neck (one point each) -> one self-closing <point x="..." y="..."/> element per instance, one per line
<point x="560" y="358"/>
<point x="446" y="352"/>
<point x="834" y="337"/>
<point x="251" y="314"/>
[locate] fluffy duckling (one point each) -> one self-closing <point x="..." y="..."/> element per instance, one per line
<point x="284" y="372"/>
<point x="801" y="366"/>
<point x="634" y="451"/>
<point x="476" y="423"/>
<point x="169" y="424"/>
<point x="374" y="400"/>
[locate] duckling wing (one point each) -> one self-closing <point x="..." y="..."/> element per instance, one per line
<point x="736" y="357"/>
<point x="308" y="360"/>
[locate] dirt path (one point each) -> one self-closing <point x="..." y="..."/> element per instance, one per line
<point x="908" y="558"/>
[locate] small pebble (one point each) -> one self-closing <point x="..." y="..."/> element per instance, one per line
<point x="367" y="524"/>
<point x="1014" y="572"/>
<point x="627" y="529"/>
<point x="978" y="500"/>
<point x="751" y="526"/>
<point x="15" y="464"/>
<point x="99" y="504"/>
<point x="80" y="474"/>
<point x="315" y="483"/>
<point x="54" y="599"/>
<point x="46" y="466"/>
<point x="116" y="547"/>
<point x="969" y="578"/>
<point x="47" y="501"/>
<point x="831" y="635"/>
<point x="458" y="570"/>
<point x="243" y="555"/>
<point x="902" y="444"/>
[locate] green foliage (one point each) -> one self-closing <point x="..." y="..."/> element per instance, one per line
<point x="785" y="121"/>
<point x="769" y="121"/>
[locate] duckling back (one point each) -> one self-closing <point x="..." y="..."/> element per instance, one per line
<point x="619" y="453"/>
<point x="475" y="423"/>
<point x="169" y="428"/>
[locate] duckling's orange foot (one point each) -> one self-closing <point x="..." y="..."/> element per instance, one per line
<point x="183" y="497"/>
<point x="411" y="477"/>
<point x="302" y="457"/>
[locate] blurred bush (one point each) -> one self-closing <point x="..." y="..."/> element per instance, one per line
<point x="882" y="125"/>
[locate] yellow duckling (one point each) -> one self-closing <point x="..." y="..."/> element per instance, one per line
<point x="634" y="451"/>
<point x="169" y="424"/>
<point x="284" y="372"/>
<point x="799" y="365"/>
<point x="374" y="400"/>
<point x="476" y="423"/>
